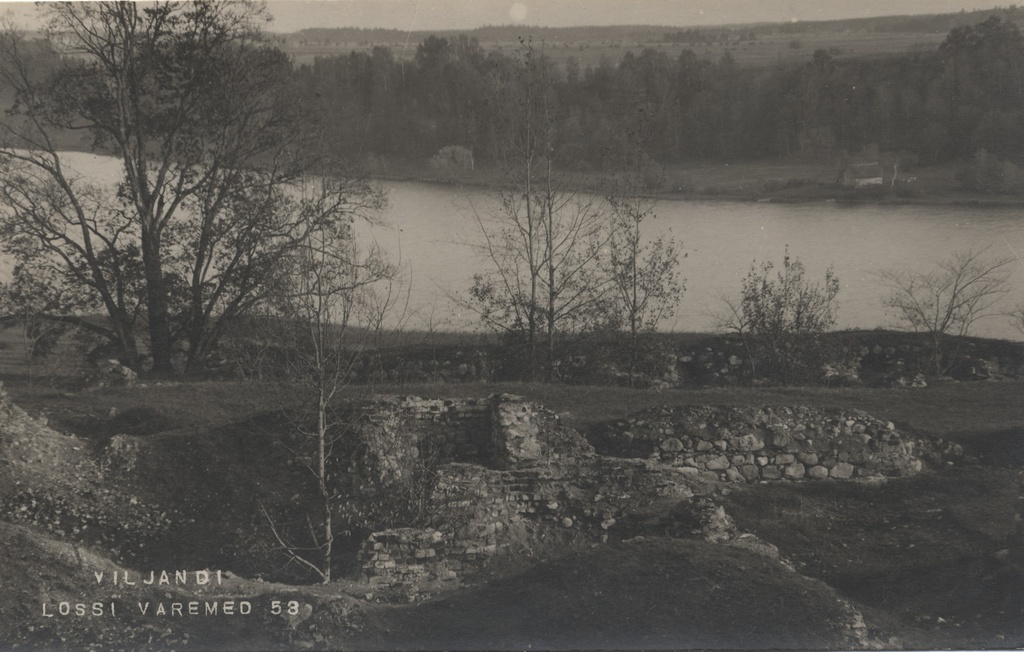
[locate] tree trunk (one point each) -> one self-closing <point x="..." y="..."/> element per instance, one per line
<point x="328" y="544"/>
<point x="550" y="373"/>
<point x="156" y="306"/>
<point x="126" y="342"/>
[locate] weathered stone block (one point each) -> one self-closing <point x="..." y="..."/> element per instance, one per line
<point x="671" y="445"/>
<point x="749" y="442"/>
<point x="817" y="472"/>
<point x="795" y="471"/>
<point x="780" y="438"/>
<point x="719" y="463"/>
<point x="841" y="471"/>
<point x="732" y="475"/>
<point x="809" y="459"/>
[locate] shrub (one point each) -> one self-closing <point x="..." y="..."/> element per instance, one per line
<point x="783" y="318"/>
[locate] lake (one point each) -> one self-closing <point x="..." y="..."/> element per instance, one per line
<point x="431" y="227"/>
<point x="430" y="230"/>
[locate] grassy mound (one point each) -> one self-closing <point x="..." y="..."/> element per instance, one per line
<point x="644" y="593"/>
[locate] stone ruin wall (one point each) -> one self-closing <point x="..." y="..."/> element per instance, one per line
<point x="865" y="357"/>
<point x="506" y="464"/>
<point x="501" y="431"/>
<point x="514" y="469"/>
<point x="764" y="444"/>
<point x="486" y="509"/>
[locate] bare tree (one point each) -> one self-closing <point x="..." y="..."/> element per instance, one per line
<point x="330" y="311"/>
<point x="544" y="240"/>
<point x="949" y="299"/>
<point x="644" y="272"/>
<point x="193" y="103"/>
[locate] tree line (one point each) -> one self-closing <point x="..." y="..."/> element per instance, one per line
<point x="938" y="107"/>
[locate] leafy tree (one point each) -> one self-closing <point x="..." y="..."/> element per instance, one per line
<point x="782" y="319"/>
<point x="193" y="103"/>
<point x="947" y="300"/>
<point x="981" y="67"/>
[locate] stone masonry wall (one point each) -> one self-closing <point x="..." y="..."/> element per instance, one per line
<point x="769" y="443"/>
<point x="529" y="475"/>
<point x="453" y="429"/>
<point x="500" y="431"/>
<point x="485" y="510"/>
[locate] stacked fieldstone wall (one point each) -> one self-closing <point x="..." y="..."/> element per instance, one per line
<point x="875" y="358"/>
<point x="763" y="444"/>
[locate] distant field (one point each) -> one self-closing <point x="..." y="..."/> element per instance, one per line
<point x="751" y="45"/>
<point x="763" y="51"/>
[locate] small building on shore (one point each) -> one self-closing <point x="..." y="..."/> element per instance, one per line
<point x="861" y="175"/>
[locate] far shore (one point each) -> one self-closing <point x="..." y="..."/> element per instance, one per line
<point x="788" y="181"/>
<point x="800" y="182"/>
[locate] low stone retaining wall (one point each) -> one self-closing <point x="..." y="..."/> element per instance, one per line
<point x="875" y="358"/>
<point x="763" y="444"/>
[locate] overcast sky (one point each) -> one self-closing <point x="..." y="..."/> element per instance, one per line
<point x="291" y="15"/>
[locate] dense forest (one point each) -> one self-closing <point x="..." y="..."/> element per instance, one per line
<point x="949" y="104"/>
